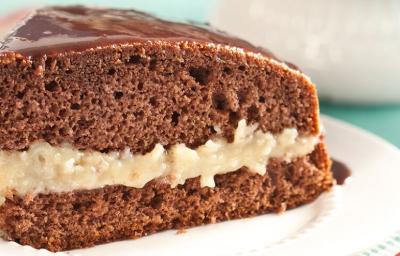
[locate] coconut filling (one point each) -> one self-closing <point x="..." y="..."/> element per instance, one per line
<point x="44" y="168"/>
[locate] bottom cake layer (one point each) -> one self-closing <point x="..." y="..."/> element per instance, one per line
<point x="85" y="218"/>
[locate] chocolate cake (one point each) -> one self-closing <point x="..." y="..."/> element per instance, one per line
<point x="115" y="125"/>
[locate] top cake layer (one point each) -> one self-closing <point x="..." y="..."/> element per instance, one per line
<point x="108" y="80"/>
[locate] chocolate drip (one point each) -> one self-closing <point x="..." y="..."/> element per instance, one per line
<point x="340" y="171"/>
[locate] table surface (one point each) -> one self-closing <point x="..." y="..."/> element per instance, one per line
<point x="381" y="120"/>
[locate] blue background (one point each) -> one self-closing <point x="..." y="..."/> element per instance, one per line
<point x="381" y="120"/>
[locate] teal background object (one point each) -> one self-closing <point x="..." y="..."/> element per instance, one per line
<point x="384" y="121"/>
<point x="381" y="120"/>
<point x="172" y="9"/>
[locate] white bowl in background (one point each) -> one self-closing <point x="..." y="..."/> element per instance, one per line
<point x="349" y="48"/>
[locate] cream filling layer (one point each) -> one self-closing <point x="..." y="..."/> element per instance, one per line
<point x="44" y="168"/>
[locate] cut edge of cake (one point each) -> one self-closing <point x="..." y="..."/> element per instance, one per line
<point x="60" y="132"/>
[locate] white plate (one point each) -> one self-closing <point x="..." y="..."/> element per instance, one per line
<point x="348" y="219"/>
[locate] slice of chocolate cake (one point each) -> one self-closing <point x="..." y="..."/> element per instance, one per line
<point x="115" y="125"/>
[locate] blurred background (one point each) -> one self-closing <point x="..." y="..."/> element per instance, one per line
<point x="349" y="48"/>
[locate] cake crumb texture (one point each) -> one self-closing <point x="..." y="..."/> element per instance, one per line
<point x="164" y="92"/>
<point x="85" y="218"/>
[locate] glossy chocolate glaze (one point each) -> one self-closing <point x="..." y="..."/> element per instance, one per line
<point x="340" y="171"/>
<point x="55" y="30"/>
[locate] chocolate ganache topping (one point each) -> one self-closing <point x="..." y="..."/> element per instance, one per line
<point x="340" y="171"/>
<point x="75" y="28"/>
